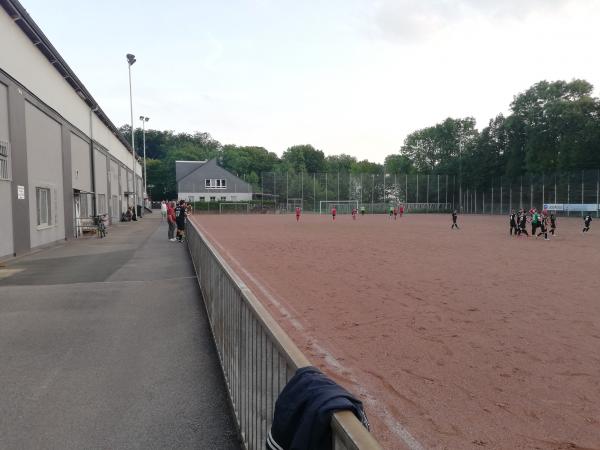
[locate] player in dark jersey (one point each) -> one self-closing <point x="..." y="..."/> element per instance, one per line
<point x="552" y="223"/>
<point x="180" y="215"/>
<point x="587" y="221"/>
<point x="512" y="221"/>
<point x="523" y="224"/>
<point x="543" y="226"/>
<point x="454" y="218"/>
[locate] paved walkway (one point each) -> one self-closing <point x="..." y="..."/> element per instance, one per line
<point x="104" y="343"/>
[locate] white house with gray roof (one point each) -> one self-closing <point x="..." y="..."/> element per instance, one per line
<point x="206" y="181"/>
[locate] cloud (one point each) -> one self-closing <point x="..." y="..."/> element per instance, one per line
<point x="413" y="20"/>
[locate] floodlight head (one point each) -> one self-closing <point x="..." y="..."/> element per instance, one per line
<point x="142" y="117"/>
<point x="147" y="119"/>
<point x="130" y="59"/>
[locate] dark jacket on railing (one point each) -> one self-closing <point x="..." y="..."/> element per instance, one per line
<point x="303" y="411"/>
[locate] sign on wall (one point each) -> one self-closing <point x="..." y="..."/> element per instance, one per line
<point x="20" y="192"/>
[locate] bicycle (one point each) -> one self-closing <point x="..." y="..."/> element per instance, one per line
<point x="100" y="226"/>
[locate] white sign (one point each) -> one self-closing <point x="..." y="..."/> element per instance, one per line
<point x="571" y="206"/>
<point x="20" y="192"/>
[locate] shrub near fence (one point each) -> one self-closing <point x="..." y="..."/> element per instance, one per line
<point x="257" y="357"/>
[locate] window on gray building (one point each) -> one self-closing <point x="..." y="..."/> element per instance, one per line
<point x="201" y="199"/>
<point x="101" y="204"/>
<point x="215" y="183"/>
<point x="212" y="199"/>
<point x="223" y="198"/>
<point x="4" y="161"/>
<point x="42" y="196"/>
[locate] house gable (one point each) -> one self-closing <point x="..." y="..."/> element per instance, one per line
<point x="194" y="181"/>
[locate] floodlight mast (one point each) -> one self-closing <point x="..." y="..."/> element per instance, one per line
<point x="130" y="62"/>
<point x="144" y="119"/>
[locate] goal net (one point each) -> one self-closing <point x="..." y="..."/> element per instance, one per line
<point x="342" y="206"/>
<point x="234" y="208"/>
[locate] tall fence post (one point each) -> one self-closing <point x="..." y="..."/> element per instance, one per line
<point x="338" y="183"/>
<point x="361" y="189"/>
<point x="417" y="199"/>
<point x="384" y="186"/>
<point x="302" y="190"/>
<point x="427" y="194"/>
<point x="314" y="192"/>
<point x="521" y="194"/>
<point x="598" y="193"/>
<point x="582" y="192"/>
<point x="325" y="188"/>
<point x="287" y="189"/>
<point x="438" y="196"/>
<point x="372" y="192"/>
<point x="568" y="193"/>
<point x="406" y="188"/>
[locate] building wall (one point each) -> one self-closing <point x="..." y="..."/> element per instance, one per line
<point x="6" y="219"/>
<point x="44" y="167"/>
<point x="81" y="173"/>
<point x="101" y="182"/>
<point x="49" y="128"/>
<point x="115" y="191"/>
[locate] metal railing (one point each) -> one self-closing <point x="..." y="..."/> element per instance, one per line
<point x="257" y="357"/>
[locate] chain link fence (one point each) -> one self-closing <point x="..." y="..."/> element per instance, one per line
<point x="573" y="193"/>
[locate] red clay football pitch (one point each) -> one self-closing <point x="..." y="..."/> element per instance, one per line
<point x="453" y="339"/>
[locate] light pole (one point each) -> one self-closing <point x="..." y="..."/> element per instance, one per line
<point x="144" y="120"/>
<point x="130" y="62"/>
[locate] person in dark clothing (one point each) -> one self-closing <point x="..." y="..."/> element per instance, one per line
<point x="543" y="226"/>
<point x="512" y="221"/>
<point x="523" y="224"/>
<point x="180" y="215"/>
<point x="587" y="221"/>
<point x="552" y="223"/>
<point x="454" y="218"/>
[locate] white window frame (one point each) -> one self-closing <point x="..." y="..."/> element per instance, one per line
<point x="215" y="183"/>
<point x="101" y="204"/>
<point x="5" y="163"/>
<point x="43" y="203"/>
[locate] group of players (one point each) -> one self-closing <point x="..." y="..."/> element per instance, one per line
<point x="543" y="221"/>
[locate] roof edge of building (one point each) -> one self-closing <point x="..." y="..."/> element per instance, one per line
<point x="20" y="15"/>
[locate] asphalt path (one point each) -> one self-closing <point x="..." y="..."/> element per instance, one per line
<point x="104" y="344"/>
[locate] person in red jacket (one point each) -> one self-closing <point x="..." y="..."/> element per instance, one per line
<point x="171" y="220"/>
<point x="333" y="212"/>
<point x="298" y="212"/>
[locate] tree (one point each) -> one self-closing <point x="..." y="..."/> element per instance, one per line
<point x="304" y="158"/>
<point x="398" y="164"/>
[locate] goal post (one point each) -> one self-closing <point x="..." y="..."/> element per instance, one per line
<point x="234" y="208"/>
<point x="342" y="206"/>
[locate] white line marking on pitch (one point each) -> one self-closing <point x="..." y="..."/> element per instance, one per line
<point x="393" y="425"/>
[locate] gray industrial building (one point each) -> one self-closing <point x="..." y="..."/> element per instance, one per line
<point x="61" y="158"/>
<point x="206" y="181"/>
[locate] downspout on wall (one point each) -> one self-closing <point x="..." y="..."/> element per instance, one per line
<point x="93" y="163"/>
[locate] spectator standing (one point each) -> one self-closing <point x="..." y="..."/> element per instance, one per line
<point x="171" y="220"/>
<point x="163" y="210"/>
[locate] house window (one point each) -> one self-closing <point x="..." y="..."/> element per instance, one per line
<point x="4" y="161"/>
<point x="101" y="204"/>
<point x="215" y="183"/>
<point x="42" y="196"/>
<point x="223" y="199"/>
<point x="83" y="206"/>
<point x="201" y="199"/>
<point x="212" y="199"/>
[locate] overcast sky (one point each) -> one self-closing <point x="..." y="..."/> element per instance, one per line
<point x="347" y="76"/>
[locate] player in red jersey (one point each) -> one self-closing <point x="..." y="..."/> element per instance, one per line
<point x="333" y="212"/>
<point x="298" y="212"/>
<point x="354" y="212"/>
<point x="401" y="210"/>
<point x="395" y="213"/>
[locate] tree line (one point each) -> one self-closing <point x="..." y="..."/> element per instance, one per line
<point x="551" y="127"/>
